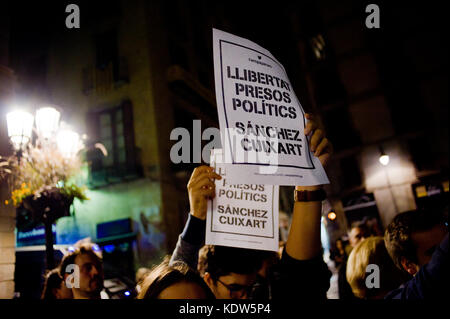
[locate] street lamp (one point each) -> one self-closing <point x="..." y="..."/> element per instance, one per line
<point x="384" y="158"/>
<point x="68" y="143"/>
<point x="331" y="215"/>
<point x="20" y="126"/>
<point x="47" y="121"/>
<point x="52" y="204"/>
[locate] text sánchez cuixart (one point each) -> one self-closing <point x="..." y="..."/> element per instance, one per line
<point x="265" y="101"/>
<point x="242" y="216"/>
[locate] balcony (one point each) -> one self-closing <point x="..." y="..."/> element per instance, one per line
<point x="100" y="81"/>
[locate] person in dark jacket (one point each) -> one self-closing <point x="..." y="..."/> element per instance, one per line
<point x="417" y="242"/>
<point x="431" y="282"/>
<point x="412" y="237"/>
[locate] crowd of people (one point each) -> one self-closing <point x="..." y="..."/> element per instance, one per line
<point x="410" y="260"/>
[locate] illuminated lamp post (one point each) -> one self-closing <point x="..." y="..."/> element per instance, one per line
<point x="331" y="215"/>
<point x="384" y="160"/>
<point x="20" y="126"/>
<point x="47" y="121"/>
<point x="51" y="203"/>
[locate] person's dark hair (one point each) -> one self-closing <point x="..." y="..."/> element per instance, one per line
<point x="220" y="260"/>
<point x="164" y="275"/>
<point x="84" y="248"/>
<point x="52" y="281"/>
<point x="397" y="236"/>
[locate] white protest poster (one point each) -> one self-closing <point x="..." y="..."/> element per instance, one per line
<point x="261" y="120"/>
<point x="241" y="215"/>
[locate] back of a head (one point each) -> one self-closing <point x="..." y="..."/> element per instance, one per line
<point x="52" y="282"/>
<point x="163" y="276"/>
<point x="371" y="251"/>
<point x="221" y="260"/>
<point x="397" y="236"/>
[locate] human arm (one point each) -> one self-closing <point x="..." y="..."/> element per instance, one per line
<point x="304" y="236"/>
<point x="200" y="187"/>
<point x="302" y="265"/>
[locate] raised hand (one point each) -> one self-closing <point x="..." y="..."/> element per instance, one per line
<point x="201" y="187"/>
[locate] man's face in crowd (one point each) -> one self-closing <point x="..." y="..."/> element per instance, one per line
<point x="426" y="242"/>
<point x="231" y="286"/>
<point x="356" y="235"/>
<point x="91" y="274"/>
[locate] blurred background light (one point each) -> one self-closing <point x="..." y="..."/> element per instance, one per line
<point x="331" y="215"/>
<point x="68" y="142"/>
<point x="384" y="159"/>
<point x="47" y="121"/>
<point x="20" y="126"/>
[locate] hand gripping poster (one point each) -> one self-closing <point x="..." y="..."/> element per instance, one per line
<point x="261" y="120"/>
<point x="241" y="214"/>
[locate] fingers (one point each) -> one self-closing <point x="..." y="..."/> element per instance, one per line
<point x="319" y="144"/>
<point x="202" y="181"/>
<point x="311" y="125"/>
<point x="204" y="187"/>
<point x="211" y="193"/>
<point x="199" y="171"/>
<point x="324" y="159"/>
<point x="323" y="145"/>
<point x="316" y="139"/>
<point x="202" y="171"/>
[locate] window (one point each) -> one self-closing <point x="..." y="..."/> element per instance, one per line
<point x="113" y="128"/>
<point x="106" y="49"/>
<point x="109" y="65"/>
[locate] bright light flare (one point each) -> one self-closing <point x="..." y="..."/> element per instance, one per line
<point x="68" y="143"/>
<point x="332" y="216"/>
<point x="384" y="159"/>
<point x="47" y="121"/>
<point x="20" y="126"/>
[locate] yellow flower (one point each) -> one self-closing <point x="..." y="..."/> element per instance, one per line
<point x="6" y="202"/>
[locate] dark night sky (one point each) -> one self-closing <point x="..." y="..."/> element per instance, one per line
<point x="33" y="21"/>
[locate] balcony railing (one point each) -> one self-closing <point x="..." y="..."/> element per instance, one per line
<point x="100" y="81"/>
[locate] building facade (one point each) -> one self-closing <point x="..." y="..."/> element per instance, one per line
<point x="379" y="90"/>
<point x="135" y="70"/>
<point x="7" y="214"/>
